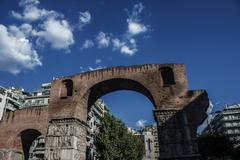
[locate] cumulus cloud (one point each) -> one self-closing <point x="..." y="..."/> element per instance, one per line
<point x="91" y="68"/>
<point x="134" y="22"/>
<point x="26" y="28"/>
<point x="98" y="61"/>
<point x="136" y="11"/>
<point x="87" y="44"/>
<point x="31" y="12"/>
<point x="141" y="123"/>
<point x="127" y="42"/>
<point x="128" y="51"/>
<point x="117" y="43"/>
<point x="56" y="32"/>
<point x="127" y="47"/>
<point x="84" y="18"/>
<point x="135" y="28"/>
<point x="103" y="40"/>
<point x="53" y="29"/>
<point x="16" y="51"/>
<point x="28" y="2"/>
<point x="96" y="68"/>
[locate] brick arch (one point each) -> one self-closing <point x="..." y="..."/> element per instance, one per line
<point x="166" y="87"/>
<point x="14" y="123"/>
<point x="178" y="110"/>
<point x="15" y="140"/>
<point x="25" y="139"/>
<point x="145" y="79"/>
<point x="107" y="86"/>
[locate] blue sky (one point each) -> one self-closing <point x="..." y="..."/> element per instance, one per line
<point x="40" y="40"/>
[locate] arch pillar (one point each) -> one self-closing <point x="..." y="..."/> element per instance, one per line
<point x="175" y="141"/>
<point x="66" y="139"/>
<point x="177" y="128"/>
<point x="8" y="154"/>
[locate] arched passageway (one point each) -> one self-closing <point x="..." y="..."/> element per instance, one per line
<point x="176" y="109"/>
<point x="107" y="87"/>
<point x="27" y="138"/>
<point x="116" y="84"/>
<point x="130" y="107"/>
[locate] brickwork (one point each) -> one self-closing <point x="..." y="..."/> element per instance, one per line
<point x="71" y="96"/>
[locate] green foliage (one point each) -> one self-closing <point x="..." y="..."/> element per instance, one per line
<point x="214" y="146"/>
<point x="113" y="142"/>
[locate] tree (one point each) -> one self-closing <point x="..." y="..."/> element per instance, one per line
<point x="214" y="146"/>
<point x="113" y="142"/>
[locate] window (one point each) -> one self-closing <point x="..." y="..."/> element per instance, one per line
<point x="149" y="145"/>
<point x="0" y="99"/>
<point x="2" y="91"/>
<point x="167" y="76"/>
<point x="66" y="88"/>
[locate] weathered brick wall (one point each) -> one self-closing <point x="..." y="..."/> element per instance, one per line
<point x="89" y="86"/>
<point x="14" y="123"/>
<point x="147" y="75"/>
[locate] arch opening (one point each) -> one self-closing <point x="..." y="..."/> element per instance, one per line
<point x="116" y="84"/>
<point x="110" y="87"/>
<point x="167" y="76"/>
<point x="27" y="138"/>
<point x="66" y="88"/>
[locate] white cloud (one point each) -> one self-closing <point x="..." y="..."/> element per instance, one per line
<point x="141" y="123"/>
<point x="103" y="40"/>
<point x="87" y="44"/>
<point x="54" y="29"/>
<point x="127" y="42"/>
<point x="96" y="68"/>
<point x="16" y="51"/>
<point x="134" y="25"/>
<point x="28" y="2"/>
<point x="117" y="43"/>
<point x="16" y="15"/>
<point x="26" y="28"/>
<point x="128" y="51"/>
<point x="135" y="28"/>
<point x="127" y="47"/>
<point x="81" y="69"/>
<point x="91" y="68"/>
<point x="56" y="32"/>
<point x="84" y="18"/>
<point x="137" y="9"/>
<point x="98" y="61"/>
<point x="31" y="12"/>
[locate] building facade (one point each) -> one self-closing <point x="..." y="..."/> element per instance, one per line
<point x="149" y="135"/>
<point x="37" y="149"/>
<point x="11" y="99"/>
<point x="95" y="116"/>
<point x="226" y="122"/>
<point x="38" y="98"/>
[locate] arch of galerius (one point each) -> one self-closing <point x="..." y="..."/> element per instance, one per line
<point x="178" y="111"/>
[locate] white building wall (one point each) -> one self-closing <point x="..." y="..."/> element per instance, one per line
<point x="3" y="99"/>
<point x="149" y="146"/>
